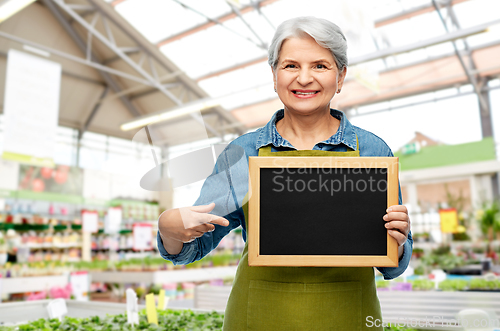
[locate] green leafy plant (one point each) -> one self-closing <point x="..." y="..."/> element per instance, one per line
<point x="453" y="285"/>
<point x="171" y="320"/>
<point x="382" y="284"/>
<point x="484" y="284"/>
<point x="489" y="219"/>
<point x="179" y="320"/>
<point x="422" y="284"/>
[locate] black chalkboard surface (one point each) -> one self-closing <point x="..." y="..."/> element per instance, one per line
<point x="321" y="211"/>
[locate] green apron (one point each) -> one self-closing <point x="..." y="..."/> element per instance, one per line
<point x="301" y="298"/>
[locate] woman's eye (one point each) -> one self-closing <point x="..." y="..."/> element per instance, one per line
<point x="321" y="66"/>
<point x="291" y="66"/>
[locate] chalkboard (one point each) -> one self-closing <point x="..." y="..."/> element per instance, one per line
<point x="321" y="211"/>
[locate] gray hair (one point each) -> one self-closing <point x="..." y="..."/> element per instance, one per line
<point x="326" y="34"/>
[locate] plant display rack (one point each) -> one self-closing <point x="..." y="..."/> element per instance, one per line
<point x="18" y="312"/>
<point x="167" y="276"/>
<point x="30" y="284"/>
<point x="404" y="307"/>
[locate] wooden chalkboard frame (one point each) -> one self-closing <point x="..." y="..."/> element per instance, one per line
<point x="256" y="163"/>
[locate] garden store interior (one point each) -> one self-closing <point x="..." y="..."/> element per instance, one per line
<point x="98" y="97"/>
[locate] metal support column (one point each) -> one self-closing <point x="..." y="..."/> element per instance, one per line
<point x="484" y="107"/>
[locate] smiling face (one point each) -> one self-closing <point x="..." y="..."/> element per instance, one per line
<point x="306" y="77"/>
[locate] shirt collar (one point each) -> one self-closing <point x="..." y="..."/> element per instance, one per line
<point x="345" y="134"/>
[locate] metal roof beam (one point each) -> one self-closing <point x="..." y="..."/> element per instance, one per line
<point x="238" y="13"/>
<point x="472" y="79"/>
<point x="424" y="9"/>
<point x="219" y="23"/>
<point x="451" y="36"/>
<point x="221" y="19"/>
<point x="378" y="54"/>
<point x="90" y="28"/>
<point x="95" y="65"/>
<point x="72" y="75"/>
<point x="145" y="48"/>
<point x="92" y="114"/>
<point x="110" y="81"/>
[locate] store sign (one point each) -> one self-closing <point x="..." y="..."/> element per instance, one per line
<point x="449" y="220"/>
<point x="80" y="285"/>
<point x="411" y="148"/>
<point x="113" y="221"/>
<point x="90" y="221"/>
<point x="143" y="236"/>
<point x="10" y="175"/>
<point x="57" y="308"/>
<point x="60" y="179"/>
<point x="31" y="108"/>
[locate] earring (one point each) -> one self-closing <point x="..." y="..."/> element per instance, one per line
<point x="338" y="91"/>
<point x="275" y="89"/>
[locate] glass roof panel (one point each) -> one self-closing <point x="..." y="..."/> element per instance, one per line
<point x="251" y="84"/>
<point x="159" y="18"/>
<point x="489" y="11"/>
<point x="210" y="50"/>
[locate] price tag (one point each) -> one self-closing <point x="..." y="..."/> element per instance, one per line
<point x="132" y="308"/>
<point x="80" y="285"/>
<point x="22" y="254"/>
<point x="439" y="275"/>
<point x="57" y="308"/>
<point x="143" y="236"/>
<point x="161" y="300"/>
<point x="113" y="220"/>
<point x="151" y="309"/>
<point x="90" y="221"/>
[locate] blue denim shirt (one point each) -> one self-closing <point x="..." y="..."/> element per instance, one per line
<point x="228" y="183"/>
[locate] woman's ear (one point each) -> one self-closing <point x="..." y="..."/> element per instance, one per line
<point x="340" y="80"/>
<point x="274" y="78"/>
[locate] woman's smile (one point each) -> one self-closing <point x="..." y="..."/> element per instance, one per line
<point x="305" y="94"/>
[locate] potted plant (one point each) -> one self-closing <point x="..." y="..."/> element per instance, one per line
<point x="489" y="221"/>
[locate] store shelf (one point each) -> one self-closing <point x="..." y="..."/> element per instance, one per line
<point x="52" y="246"/>
<point x="32" y="284"/>
<point x="169" y="276"/>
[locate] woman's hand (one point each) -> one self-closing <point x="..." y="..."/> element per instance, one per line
<point x="398" y="223"/>
<point x="183" y="225"/>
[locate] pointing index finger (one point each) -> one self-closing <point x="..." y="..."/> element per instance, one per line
<point x="218" y="220"/>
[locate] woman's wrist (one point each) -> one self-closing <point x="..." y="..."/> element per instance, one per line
<point x="401" y="250"/>
<point x="173" y="247"/>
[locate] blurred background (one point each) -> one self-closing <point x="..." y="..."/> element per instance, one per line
<point x="80" y="80"/>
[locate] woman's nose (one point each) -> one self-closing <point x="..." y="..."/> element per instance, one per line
<point x="305" y="77"/>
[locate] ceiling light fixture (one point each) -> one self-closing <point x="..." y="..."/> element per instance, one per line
<point x="162" y="116"/>
<point x="189" y="108"/>
<point x="9" y="8"/>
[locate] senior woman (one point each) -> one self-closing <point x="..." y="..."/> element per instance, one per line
<point x="309" y="62"/>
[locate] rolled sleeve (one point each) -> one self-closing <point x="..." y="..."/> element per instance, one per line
<point x="391" y="273"/>
<point x="185" y="255"/>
